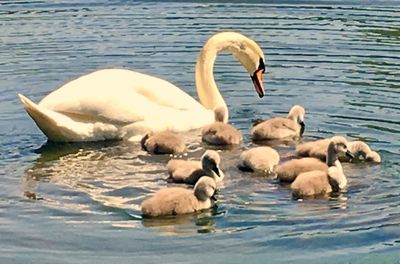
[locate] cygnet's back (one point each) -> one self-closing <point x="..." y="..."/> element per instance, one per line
<point x="259" y="159"/>
<point x="188" y="171"/>
<point x="317" y="182"/>
<point x="280" y="127"/>
<point x="289" y="170"/>
<point x="311" y="184"/>
<point x="176" y="200"/>
<point x="221" y="133"/>
<point x="317" y="148"/>
<point x="164" y="142"/>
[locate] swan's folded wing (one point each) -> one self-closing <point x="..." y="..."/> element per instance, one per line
<point x="59" y="127"/>
<point x="118" y="96"/>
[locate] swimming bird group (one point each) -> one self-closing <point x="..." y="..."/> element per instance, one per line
<point x="316" y="172"/>
<point x="114" y="104"/>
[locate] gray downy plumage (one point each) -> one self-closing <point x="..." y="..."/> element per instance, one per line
<point x="221" y="133"/>
<point x="189" y="171"/>
<point x="318" y="183"/>
<point x="177" y="200"/>
<point x="164" y="142"/>
<point x="291" y="126"/>
<point x="259" y="159"/>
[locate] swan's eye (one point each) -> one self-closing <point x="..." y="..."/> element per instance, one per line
<point x="261" y="65"/>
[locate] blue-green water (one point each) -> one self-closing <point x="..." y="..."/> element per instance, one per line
<point x="340" y="60"/>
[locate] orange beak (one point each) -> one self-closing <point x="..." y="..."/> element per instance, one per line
<point x="257" y="81"/>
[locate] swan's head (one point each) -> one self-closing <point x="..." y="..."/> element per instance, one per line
<point x="246" y="50"/>
<point x="250" y="55"/>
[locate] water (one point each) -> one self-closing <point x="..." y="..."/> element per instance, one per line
<point x="77" y="203"/>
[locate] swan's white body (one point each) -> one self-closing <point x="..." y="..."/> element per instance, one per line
<point x="116" y="103"/>
<point x="123" y="104"/>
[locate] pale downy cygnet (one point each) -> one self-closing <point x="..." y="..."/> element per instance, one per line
<point x="319" y="183"/>
<point x="318" y="148"/>
<point x="189" y="171"/>
<point x="220" y="133"/>
<point x="289" y="170"/>
<point x="176" y="200"/>
<point x="361" y="151"/>
<point x="164" y="142"/>
<point x="280" y="127"/>
<point x="259" y="159"/>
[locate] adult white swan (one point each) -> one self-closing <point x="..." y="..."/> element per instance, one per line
<point x="123" y="104"/>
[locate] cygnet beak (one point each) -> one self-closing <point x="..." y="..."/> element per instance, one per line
<point x="349" y="154"/>
<point x="303" y="126"/>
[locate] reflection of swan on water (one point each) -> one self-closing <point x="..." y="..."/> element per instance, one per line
<point x="106" y="171"/>
<point x="119" y="103"/>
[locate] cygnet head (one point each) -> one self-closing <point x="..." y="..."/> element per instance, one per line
<point x="361" y="148"/>
<point x="337" y="146"/>
<point x="210" y="163"/>
<point x="374" y="157"/>
<point x="297" y="114"/>
<point x="221" y="114"/>
<point x="205" y="188"/>
<point x="340" y="146"/>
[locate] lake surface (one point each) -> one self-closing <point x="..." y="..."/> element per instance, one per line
<point x="80" y="203"/>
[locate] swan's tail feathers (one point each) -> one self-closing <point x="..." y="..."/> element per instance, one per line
<point x="61" y="127"/>
<point x="48" y="121"/>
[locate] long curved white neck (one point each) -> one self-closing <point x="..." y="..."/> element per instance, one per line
<point x="207" y="90"/>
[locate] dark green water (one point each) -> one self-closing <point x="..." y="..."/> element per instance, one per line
<point x="340" y="60"/>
